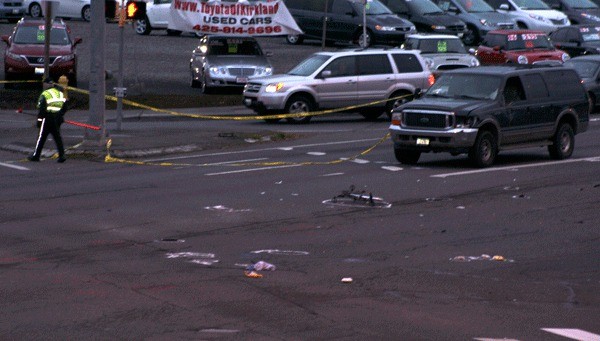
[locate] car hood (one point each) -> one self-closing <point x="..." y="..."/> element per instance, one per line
<point x="281" y="78"/>
<point x="547" y="13"/>
<point x="442" y="19"/>
<point x="495" y="17"/>
<point x="38" y="50"/>
<point x="387" y="20"/>
<point x="250" y="61"/>
<point x="459" y="106"/>
<point x="536" y="54"/>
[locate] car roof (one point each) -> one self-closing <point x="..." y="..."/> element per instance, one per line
<point x="500" y="69"/>
<point x="369" y="50"/>
<point x="29" y="21"/>
<point x="507" y="32"/>
<point x="432" y="36"/>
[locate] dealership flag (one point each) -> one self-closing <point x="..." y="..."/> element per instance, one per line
<point x="256" y="18"/>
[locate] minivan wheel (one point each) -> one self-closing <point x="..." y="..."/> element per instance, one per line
<point x="35" y="10"/>
<point x="294" y="39"/>
<point x="142" y="26"/>
<point x="483" y="153"/>
<point x="299" y="104"/>
<point x="563" y="142"/>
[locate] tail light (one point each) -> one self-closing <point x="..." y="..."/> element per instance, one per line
<point x="431" y="79"/>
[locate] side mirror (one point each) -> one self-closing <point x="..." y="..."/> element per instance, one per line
<point x="497" y="48"/>
<point x="326" y="74"/>
<point x="555" y="6"/>
<point x="453" y="9"/>
<point x="504" y="7"/>
<point x="418" y="93"/>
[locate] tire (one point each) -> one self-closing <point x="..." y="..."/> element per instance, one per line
<point x="193" y="82"/>
<point x="563" y="142"/>
<point x="522" y="26"/>
<point x="298" y="104"/>
<point x="391" y="105"/>
<point x="471" y="37"/>
<point x="142" y="26"/>
<point x="173" y="33"/>
<point x="86" y="13"/>
<point x="407" y="157"/>
<point x="294" y="39"/>
<point x="360" y="39"/>
<point x="484" y="152"/>
<point x="35" y="10"/>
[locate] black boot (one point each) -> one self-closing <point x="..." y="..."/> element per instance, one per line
<point x="34" y="158"/>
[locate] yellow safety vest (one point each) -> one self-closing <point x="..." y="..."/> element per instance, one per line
<point x="55" y="100"/>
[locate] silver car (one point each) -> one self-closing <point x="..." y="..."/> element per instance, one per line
<point x="328" y="80"/>
<point x="221" y="61"/>
<point x="441" y="51"/>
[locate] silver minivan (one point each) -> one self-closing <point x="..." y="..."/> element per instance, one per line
<point x="337" y="80"/>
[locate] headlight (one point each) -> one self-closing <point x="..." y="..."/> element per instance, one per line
<point x="590" y="16"/>
<point x="274" y="87"/>
<point x="384" y="28"/>
<point x="522" y="59"/>
<point x="429" y="62"/>
<point x="217" y="71"/>
<point x="539" y="18"/>
<point x="413" y="29"/>
<point x="15" y="56"/>
<point x="263" y="71"/>
<point x="465" y="122"/>
<point x="565" y="57"/>
<point x="474" y="62"/>
<point x="65" y="58"/>
<point x="438" y="27"/>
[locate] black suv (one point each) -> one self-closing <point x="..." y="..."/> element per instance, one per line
<point x="344" y="22"/>
<point x="483" y="110"/>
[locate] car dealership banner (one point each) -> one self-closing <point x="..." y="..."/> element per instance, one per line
<point x="256" y="18"/>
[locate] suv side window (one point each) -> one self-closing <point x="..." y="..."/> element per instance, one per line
<point x="341" y="7"/>
<point x="443" y="4"/>
<point x="342" y="67"/>
<point x="572" y="36"/>
<point x="558" y="35"/>
<point x="375" y="64"/>
<point x="513" y="91"/>
<point x="535" y="87"/>
<point x="556" y="80"/>
<point x="407" y="63"/>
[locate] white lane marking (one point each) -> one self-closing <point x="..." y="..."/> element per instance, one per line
<point x="333" y="174"/>
<point x="515" y="167"/>
<point x="261" y="150"/>
<point x="232" y="162"/>
<point x="575" y="334"/>
<point x="360" y="161"/>
<point x="392" y="168"/>
<point x="250" y="170"/>
<point x="14" y="166"/>
<point x="488" y="339"/>
<point x="316" y="153"/>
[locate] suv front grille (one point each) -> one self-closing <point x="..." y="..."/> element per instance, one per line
<point x="427" y="119"/>
<point x="241" y="71"/>
<point x="252" y="87"/>
<point x="403" y="29"/>
<point x="39" y="60"/>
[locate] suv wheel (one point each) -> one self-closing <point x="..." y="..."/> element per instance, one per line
<point x="393" y="104"/>
<point x="86" y="13"/>
<point x="363" y="40"/>
<point x="194" y="83"/>
<point x="142" y="26"/>
<point x="204" y="88"/>
<point x="408" y="157"/>
<point x="563" y="142"/>
<point x="294" y="39"/>
<point x="35" y="10"/>
<point x="299" y="104"/>
<point x="483" y="153"/>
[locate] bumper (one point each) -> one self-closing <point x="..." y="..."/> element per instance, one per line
<point x="12" y="13"/>
<point x="457" y="140"/>
<point x="22" y="70"/>
<point x="273" y="102"/>
<point x="226" y="81"/>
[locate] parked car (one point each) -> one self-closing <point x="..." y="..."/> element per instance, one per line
<point x="66" y="9"/>
<point x="221" y="61"/>
<point x="157" y="18"/>
<point x="577" y="40"/>
<point x="588" y="68"/>
<point x="481" y="111"/>
<point x="519" y="47"/>
<point x="578" y="11"/>
<point x="345" y="22"/>
<point x="24" y="54"/>
<point x="531" y="14"/>
<point x="327" y="80"/>
<point x="441" y="51"/>
<point x="11" y="10"/>
<point x="427" y="16"/>
<point x="479" y="17"/>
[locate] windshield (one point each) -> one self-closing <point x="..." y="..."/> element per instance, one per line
<point x="528" y="41"/>
<point x="373" y="8"/>
<point x="441" y="46"/>
<point x="465" y="86"/>
<point x="590" y="36"/>
<point x="309" y="65"/>
<point x="531" y="4"/>
<point x="475" y="6"/>
<point x="233" y="46"/>
<point x="581" y="4"/>
<point x="584" y="68"/>
<point x="36" y="35"/>
<point x="424" y="7"/>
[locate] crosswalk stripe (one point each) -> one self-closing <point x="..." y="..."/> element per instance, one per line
<point x="575" y="334"/>
<point x="14" y="166"/>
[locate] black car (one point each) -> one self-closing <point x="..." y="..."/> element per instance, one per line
<point x="577" y="40"/>
<point x="588" y="68"/>
<point x="427" y="16"/>
<point x="483" y="110"/>
<point x="344" y="22"/>
<point x="579" y="11"/>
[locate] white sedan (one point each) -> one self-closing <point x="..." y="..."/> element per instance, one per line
<point x="65" y="9"/>
<point x="157" y="18"/>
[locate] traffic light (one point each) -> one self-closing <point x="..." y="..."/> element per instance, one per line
<point x="135" y="10"/>
<point x="110" y="9"/>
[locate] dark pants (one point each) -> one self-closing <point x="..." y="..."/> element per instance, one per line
<point x="50" y="125"/>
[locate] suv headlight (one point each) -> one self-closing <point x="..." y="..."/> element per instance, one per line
<point x="274" y="87"/>
<point x="15" y="56"/>
<point x="565" y="57"/>
<point x="65" y="58"/>
<point x="217" y="71"/>
<point x="539" y="18"/>
<point x="465" y="122"/>
<point x="486" y="23"/>
<point x="384" y="28"/>
<point x="522" y="60"/>
<point x="438" y="27"/>
<point x="263" y="71"/>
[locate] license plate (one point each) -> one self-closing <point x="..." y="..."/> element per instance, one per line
<point x="241" y="80"/>
<point x="247" y="101"/>
<point x="39" y="70"/>
<point x="422" y="142"/>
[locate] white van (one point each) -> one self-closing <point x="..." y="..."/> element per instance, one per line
<point x="532" y="14"/>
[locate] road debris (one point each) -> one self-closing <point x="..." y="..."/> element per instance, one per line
<point x="362" y="198"/>
<point x="347" y="280"/>
<point x="496" y="258"/>
<point x="252" y="270"/>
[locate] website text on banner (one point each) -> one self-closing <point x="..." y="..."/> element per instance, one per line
<point x="258" y="18"/>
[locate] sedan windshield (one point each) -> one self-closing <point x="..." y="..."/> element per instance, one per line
<point x="441" y="46"/>
<point x="581" y="4"/>
<point x="36" y="35"/>
<point x="424" y="7"/>
<point x="373" y="8"/>
<point x="531" y="4"/>
<point x="584" y="68"/>
<point x="234" y="46"/>
<point x="528" y="41"/>
<point x="309" y="65"/>
<point x="475" y="6"/>
<point x="465" y="86"/>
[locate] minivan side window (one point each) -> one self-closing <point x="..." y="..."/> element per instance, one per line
<point x="556" y="81"/>
<point x="513" y="91"/>
<point x="341" y="7"/>
<point x="376" y="64"/>
<point x="407" y="63"/>
<point x="396" y="6"/>
<point x="535" y="87"/>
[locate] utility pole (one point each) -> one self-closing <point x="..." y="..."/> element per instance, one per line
<point x="120" y="90"/>
<point x="48" y="14"/>
<point x="97" y="75"/>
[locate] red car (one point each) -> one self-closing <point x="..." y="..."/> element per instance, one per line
<point x="24" y="55"/>
<point x="518" y="47"/>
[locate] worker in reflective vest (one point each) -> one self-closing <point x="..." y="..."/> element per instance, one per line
<point x="51" y="105"/>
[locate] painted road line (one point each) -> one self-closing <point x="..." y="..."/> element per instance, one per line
<point x="232" y="162"/>
<point x="260" y="150"/>
<point x="488" y="339"/>
<point x="575" y="334"/>
<point x="250" y="170"/>
<point x="14" y="166"/>
<point x="332" y="174"/>
<point x="392" y="168"/>
<point x="511" y="168"/>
